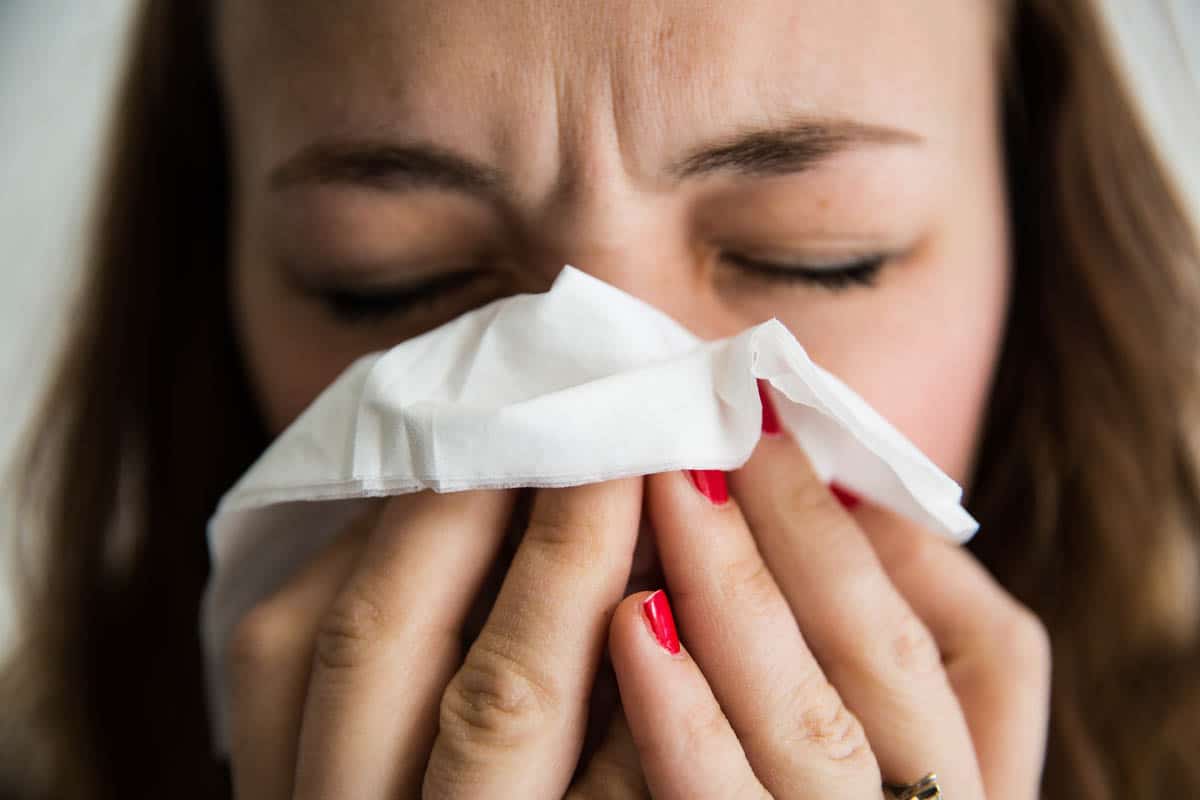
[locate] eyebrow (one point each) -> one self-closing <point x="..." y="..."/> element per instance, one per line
<point x="385" y="165"/>
<point x="762" y="152"/>
<point x="790" y="148"/>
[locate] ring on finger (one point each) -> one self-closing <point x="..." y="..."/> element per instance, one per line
<point x="924" y="789"/>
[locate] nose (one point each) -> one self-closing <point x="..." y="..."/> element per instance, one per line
<point x="641" y="244"/>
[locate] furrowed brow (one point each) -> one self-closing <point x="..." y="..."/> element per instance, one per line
<point x="794" y="147"/>
<point x="384" y="165"/>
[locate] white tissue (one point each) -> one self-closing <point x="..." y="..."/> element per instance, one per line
<point x="581" y="384"/>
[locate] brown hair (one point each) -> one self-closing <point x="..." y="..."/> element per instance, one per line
<point x="1087" y="475"/>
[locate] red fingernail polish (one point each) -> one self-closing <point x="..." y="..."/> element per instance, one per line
<point x="662" y="621"/>
<point x="848" y="499"/>
<point x="770" y="420"/>
<point x="711" y="484"/>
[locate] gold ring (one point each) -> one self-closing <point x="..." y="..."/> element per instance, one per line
<point x="924" y="789"/>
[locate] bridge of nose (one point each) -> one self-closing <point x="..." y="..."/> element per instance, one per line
<point x="640" y="242"/>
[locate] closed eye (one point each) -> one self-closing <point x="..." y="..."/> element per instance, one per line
<point x="859" y="272"/>
<point x="354" y="305"/>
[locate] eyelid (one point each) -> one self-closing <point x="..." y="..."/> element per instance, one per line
<point x="863" y="271"/>
<point x="361" y="303"/>
<point x="800" y="267"/>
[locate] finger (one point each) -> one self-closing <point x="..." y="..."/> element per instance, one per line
<point x="390" y="642"/>
<point x="270" y="656"/>
<point x="513" y="718"/>
<point x="614" y="771"/>
<point x="871" y="644"/>
<point x="687" y="747"/>
<point x="794" y="727"/>
<point x="997" y="654"/>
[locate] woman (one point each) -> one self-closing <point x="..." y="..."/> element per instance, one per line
<point x="951" y="205"/>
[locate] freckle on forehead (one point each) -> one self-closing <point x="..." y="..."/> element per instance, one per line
<point x="666" y="33"/>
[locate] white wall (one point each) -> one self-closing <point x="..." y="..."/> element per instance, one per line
<point x="57" y="64"/>
<point x="1160" y="44"/>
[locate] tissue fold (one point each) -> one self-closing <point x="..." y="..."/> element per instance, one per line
<point x="581" y="384"/>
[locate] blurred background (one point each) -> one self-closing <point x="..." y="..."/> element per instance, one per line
<point x="58" y="65"/>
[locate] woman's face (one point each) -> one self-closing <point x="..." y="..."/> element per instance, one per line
<point x="668" y="147"/>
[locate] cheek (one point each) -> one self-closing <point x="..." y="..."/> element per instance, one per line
<point x="922" y="355"/>
<point x="933" y="384"/>
<point x="289" y="356"/>
<point x="275" y="374"/>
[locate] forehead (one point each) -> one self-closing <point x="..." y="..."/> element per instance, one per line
<point x="494" y="77"/>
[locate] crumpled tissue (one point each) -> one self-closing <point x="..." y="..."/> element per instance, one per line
<point x="581" y="384"/>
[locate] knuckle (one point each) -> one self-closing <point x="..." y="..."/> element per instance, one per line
<point x="912" y="649"/>
<point x="1028" y="629"/>
<point x="806" y="495"/>
<point x="921" y="555"/>
<point x="812" y="505"/>
<point x="749" y="582"/>
<point x="573" y="542"/>
<point x="495" y="700"/>
<point x="262" y="639"/>
<point x="702" y="724"/>
<point x="893" y="646"/>
<point x="1026" y="641"/>
<point x="821" y="722"/>
<point x="351" y="632"/>
<point x="835" y="731"/>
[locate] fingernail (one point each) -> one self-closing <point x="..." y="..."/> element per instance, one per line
<point x="711" y="484"/>
<point x="662" y="621"/>
<point x="848" y="499"/>
<point x="770" y="420"/>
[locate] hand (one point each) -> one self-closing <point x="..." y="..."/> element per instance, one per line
<point x="350" y="682"/>
<point x="826" y="652"/>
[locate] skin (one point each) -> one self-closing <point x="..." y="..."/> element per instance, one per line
<point x="818" y="656"/>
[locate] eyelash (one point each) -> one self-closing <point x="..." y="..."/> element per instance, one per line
<point x="861" y="271"/>
<point x="358" y="306"/>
